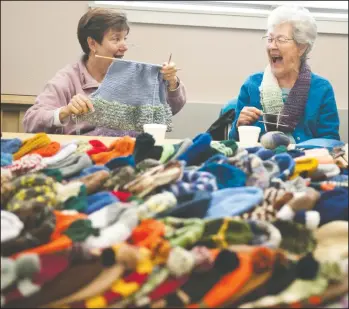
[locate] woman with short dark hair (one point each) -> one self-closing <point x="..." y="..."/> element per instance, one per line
<point x="101" y="32"/>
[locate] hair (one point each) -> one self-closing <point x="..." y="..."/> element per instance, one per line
<point x="303" y="24"/>
<point x="96" y="22"/>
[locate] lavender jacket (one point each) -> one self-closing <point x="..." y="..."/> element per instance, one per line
<point x="43" y="116"/>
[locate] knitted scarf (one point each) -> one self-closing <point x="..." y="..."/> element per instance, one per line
<point x="132" y="94"/>
<point x="271" y="100"/>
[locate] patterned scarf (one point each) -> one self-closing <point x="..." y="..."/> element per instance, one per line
<point x="271" y="100"/>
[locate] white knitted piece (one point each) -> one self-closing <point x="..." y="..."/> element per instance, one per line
<point x="74" y="141"/>
<point x="286" y="213"/>
<point x="68" y="212"/>
<point x="312" y="219"/>
<point x="271" y="94"/>
<point x="157" y="204"/>
<point x="109" y="236"/>
<point x="64" y="192"/>
<point x="330" y="170"/>
<point x="118" y="231"/>
<point x="11" y="226"/>
<point x="180" y="262"/>
<point x="109" y="214"/>
<point x="8" y="272"/>
<point x="275" y="237"/>
<point x="27" y="287"/>
<point x="99" y="218"/>
<point x="61" y="155"/>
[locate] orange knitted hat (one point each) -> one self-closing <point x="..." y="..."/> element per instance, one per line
<point x="58" y="241"/>
<point x="257" y="261"/>
<point x="37" y="141"/>
<point x="47" y="151"/>
<point x="148" y="232"/>
<point x="121" y="147"/>
<point x="63" y="221"/>
<point x="60" y="244"/>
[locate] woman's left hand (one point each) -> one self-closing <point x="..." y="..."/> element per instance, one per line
<point x="169" y="70"/>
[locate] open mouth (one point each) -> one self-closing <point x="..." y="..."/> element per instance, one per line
<point x="276" y="59"/>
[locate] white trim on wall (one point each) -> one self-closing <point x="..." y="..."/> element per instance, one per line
<point x="218" y="16"/>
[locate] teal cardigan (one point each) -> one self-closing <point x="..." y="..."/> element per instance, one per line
<point x="320" y="117"/>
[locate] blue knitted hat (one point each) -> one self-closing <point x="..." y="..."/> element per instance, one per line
<point x="339" y="178"/>
<point x="6" y="159"/>
<point x="197" y="153"/>
<point x="286" y="165"/>
<point x="91" y="170"/>
<point x="218" y="158"/>
<point x="234" y="201"/>
<point x="132" y="94"/>
<point x="333" y="205"/>
<point x="192" y="181"/>
<point x="320" y="143"/>
<point x="99" y="200"/>
<point x="310" y="218"/>
<point x="191" y="205"/>
<point x="120" y="162"/>
<point x="263" y="153"/>
<point x="227" y="176"/>
<point x="10" y="145"/>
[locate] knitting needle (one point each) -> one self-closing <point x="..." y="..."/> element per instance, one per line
<point x="275" y="114"/>
<point x="104" y="57"/>
<point x="169" y="61"/>
<point x="112" y="58"/>
<point x="284" y="125"/>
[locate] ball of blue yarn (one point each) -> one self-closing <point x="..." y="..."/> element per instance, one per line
<point x="271" y="140"/>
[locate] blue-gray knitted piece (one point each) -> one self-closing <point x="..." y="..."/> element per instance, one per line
<point x="131" y="95"/>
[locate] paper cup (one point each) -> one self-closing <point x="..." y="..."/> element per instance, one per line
<point x="158" y="131"/>
<point x="248" y="135"/>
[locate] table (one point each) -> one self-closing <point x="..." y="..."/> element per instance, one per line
<point x="66" y="138"/>
<point x="107" y="140"/>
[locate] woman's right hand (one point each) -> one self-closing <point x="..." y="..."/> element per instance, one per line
<point x="248" y="116"/>
<point x="79" y="104"/>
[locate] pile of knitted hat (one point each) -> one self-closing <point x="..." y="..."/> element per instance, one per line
<point x="196" y="224"/>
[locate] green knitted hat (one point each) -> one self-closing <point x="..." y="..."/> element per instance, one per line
<point x="222" y="232"/>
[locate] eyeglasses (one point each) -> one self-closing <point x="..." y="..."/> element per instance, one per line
<point x="278" y="39"/>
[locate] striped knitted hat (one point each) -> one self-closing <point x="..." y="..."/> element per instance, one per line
<point x="132" y="94"/>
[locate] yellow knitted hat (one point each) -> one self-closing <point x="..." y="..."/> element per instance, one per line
<point x="37" y="141"/>
<point x="304" y="166"/>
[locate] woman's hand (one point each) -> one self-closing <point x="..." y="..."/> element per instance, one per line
<point x="169" y="70"/>
<point x="79" y="104"/>
<point x="248" y="116"/>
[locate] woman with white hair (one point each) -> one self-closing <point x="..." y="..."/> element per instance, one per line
<point x="288" y="96"/>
